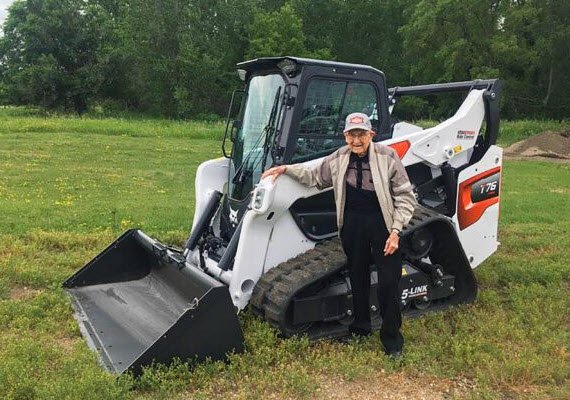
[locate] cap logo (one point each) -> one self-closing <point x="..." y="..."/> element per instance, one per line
<point x="357" y="120"/>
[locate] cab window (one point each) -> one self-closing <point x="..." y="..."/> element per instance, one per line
<point x="326" y="105"/>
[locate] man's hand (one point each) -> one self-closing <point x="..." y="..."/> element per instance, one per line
<point x="274" y="172"/>
<point x="391" y="244"/>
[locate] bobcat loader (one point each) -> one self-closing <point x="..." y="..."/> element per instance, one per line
<point x="274" y="246"/>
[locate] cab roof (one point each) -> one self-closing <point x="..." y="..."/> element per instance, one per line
<point x="267" y="63"/>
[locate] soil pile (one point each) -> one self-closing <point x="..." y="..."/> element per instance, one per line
<point x="548" y="144"/>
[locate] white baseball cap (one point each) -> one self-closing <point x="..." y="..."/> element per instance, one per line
<point x="357" y="121"/>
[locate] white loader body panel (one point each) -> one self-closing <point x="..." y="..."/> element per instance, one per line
<point x="211" y="176"/>
<point x="479" y="240"/>
<point x="269" y="235"/>
<point x="454" y="137"/>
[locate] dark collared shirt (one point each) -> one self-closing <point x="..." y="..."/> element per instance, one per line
<point x="360" y="194"/>
<point x="358" y="173"/>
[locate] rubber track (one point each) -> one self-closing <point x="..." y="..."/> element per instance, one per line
<point x="276" y="289"/>
<point x="422" y="216"/>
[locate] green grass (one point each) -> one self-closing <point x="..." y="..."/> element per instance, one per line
<point x="14" y="120"/>
<point x="69" y="186"/>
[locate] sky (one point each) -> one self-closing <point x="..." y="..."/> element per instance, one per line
<point x="4" y="4"/>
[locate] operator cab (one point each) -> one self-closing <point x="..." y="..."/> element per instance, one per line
<point x="293" y="110"/>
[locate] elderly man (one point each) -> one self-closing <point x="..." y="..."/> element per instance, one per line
<point x="374" y="201"/>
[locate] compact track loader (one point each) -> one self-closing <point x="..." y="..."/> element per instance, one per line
<point x="274" y="246"/>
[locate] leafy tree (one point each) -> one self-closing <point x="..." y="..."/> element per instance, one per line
<point x="449" y="40"/>
<point x="278" y="33"/>
<point x="149" y="45"/>
<point x="215" y="41"/>
<point x="49" y="52"/>
<point x="359" y="31"/>
<point x="180" y="56"/>
<point x="532" y="46"/>
<point x="177" y="57"/>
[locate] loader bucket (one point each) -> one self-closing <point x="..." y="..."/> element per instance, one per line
<point x="138" y="302"/>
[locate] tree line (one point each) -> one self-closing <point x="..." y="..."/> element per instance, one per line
<point x="176" y="58"/>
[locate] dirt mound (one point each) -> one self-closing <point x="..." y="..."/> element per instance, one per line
<point x="548" y="144"/>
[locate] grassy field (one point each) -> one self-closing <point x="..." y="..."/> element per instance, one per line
<point x="69" y="186"/>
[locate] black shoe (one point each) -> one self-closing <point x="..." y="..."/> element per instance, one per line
<point x="395" y="355"/>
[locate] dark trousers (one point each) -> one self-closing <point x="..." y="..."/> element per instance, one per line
<point x="363" y="239"/>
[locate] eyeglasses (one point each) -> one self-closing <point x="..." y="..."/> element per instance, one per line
<point x="351" y="135"/>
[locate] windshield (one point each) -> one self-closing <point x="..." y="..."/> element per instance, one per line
<point x="250" y="152"/>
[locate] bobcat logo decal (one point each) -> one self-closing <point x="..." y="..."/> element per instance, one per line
<point x="233" y="216"/>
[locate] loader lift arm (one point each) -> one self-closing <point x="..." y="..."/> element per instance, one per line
<point x="491" y="98"/>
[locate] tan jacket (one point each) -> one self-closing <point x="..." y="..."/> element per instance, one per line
<point x="389" y="176"/>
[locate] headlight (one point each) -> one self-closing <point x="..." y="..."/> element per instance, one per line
<point x="258" y="196"/>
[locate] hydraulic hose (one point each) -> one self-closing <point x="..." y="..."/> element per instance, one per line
<point x="203" y="222"/>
